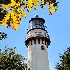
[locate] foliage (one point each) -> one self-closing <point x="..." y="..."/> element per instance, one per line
<point x="2" y="13"/>
<point x="16" y="10"/>
<point x="3" y="35"/>
<point x="64" y="61"/>
<point x="10" y="60"/>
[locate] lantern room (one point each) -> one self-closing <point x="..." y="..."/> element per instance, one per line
<point x="37" y="22"/>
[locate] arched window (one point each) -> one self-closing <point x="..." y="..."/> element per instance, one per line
<point x="42" y="47"/>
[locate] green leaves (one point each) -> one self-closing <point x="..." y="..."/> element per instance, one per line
<point x="64" y="61"/>
<point x="3" y="35"/>
<point x="9" y="60"/>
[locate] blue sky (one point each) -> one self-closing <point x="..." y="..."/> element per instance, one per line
<point x="58" y="26"/>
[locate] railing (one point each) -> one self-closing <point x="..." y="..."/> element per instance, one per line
<point x="36" y="35"/>
<point x="44" y="27"/>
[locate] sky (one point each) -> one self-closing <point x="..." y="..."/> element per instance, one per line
<point x="58" y="26"/>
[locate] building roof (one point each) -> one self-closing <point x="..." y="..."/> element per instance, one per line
<point x="37" y="18"/>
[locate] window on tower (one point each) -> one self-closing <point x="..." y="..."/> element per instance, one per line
<point x="35" y="32"/>
<point x="34" y="41"/>
<point x="42" y="47"/>
<point x="39" y="32"/>
<point x="38" y="41"/>
<point x="37" y="22"/>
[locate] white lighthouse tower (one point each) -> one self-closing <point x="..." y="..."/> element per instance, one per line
<point x="37" y="41"/>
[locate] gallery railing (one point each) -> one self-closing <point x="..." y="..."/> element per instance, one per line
<point x="36" y="35"/>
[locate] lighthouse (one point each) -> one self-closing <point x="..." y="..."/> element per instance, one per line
<point x="37" y="42"/>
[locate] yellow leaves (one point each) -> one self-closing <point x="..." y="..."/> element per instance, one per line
<point x="21" y="13"/>
<point x="5" y="20"/>
<point x="30" y="1"/>
<point x="35" y="4"/>
<point x="5" y="6"/>
<point x="52" y="9"/>
<point x="34" y="1"/>
<point x="15" y="22"/>
<point x="13" y="18"/>
<point x="13" y="3"/>
<point x="29" y="9"/>
<point x="39" y="0"/>
<point x="29" y="5"/>
<point x="17" y="4"/>
<point x="42" y="1"/>
<point x="8" y="5"/>
<point x="15" y="26"/>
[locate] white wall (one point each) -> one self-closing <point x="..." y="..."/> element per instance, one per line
<point x="37" y="58"/>
<point x="32" y="32"/>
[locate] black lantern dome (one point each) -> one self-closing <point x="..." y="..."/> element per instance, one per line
<point x="37" y="22"/>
